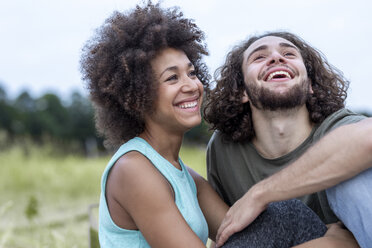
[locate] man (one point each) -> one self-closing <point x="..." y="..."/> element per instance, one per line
<point x="283" y="132"/>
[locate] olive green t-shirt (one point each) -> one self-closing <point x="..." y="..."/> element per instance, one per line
<point x="233" y="167"/>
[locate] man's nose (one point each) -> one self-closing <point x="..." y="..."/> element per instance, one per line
<point x="275" y="58"/>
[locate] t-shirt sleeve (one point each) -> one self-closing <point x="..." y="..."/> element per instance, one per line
<point x="339" y="118"/>
<point x="213" y="159"/>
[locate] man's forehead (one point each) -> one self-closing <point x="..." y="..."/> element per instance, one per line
<point x="267" y="41"/>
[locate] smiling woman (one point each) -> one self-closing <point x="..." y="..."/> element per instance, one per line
<point x="179" y="92"/>
<point x="145" y="77"/>
<point x="115" y="63"/>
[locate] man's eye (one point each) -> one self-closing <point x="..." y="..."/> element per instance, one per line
<point x="289" y="54"/>
<point x="258" y="57"/>
<point x="171" y="78"/>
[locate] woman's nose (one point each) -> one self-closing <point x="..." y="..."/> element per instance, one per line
<point x="191" y="84"/>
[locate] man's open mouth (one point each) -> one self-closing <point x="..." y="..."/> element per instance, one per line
<point x="279" y="74"/>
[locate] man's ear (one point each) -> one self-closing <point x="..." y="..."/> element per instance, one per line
<point x="245" y="97"/>
<point x="311" y="87"/>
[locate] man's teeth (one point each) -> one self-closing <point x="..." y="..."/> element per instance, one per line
<point x="188" y="105"/>
<point x="278" y="73"/>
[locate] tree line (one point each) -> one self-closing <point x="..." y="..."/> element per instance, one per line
<point x="68" y="124"/>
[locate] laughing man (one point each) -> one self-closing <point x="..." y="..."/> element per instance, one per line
<point x="282" y="132"/>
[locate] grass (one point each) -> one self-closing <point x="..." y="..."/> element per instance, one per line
<point x="44" y="198"/>
<point x="194" y="157"/>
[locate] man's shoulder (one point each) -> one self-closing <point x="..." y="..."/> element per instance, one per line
<point x="215" y="140"/>
<point x="219" y="140"/>
<point x="339" y="118"/>
<point x="343" y="116"/>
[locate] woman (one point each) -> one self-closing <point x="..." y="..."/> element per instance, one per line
<point x="145" y="77"/>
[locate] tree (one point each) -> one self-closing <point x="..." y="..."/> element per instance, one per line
<point x="7" y="116"/>
<point x="81" y="125"/>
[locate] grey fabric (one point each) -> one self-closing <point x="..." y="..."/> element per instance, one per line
<point x="283" y="224"/>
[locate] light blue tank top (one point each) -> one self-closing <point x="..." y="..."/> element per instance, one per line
<point x="113" y="236"/>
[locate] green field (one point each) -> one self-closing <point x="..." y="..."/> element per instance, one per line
<point x="45" y="198"/>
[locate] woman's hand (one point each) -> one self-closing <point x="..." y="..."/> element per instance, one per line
<point x="337" y="236"/>
<point x="338" y="232"/>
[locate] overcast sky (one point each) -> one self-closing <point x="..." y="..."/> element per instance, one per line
<point x="41" y="40"/>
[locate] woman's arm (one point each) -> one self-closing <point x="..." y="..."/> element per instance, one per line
<point x="146" y="197"/>
<point x="214" y="209"/>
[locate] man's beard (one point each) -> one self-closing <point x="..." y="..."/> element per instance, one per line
<point x="267" y="99"/>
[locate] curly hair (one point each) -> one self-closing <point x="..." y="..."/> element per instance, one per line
<point x="225" y="111"/>
<point x="116" y="65"/>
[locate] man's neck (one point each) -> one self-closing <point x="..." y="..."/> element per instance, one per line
<point x="280" y="132"/>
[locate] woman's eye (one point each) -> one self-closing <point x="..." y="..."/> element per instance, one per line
<point x="171" y="78"/>
<point x="192" y="73"/>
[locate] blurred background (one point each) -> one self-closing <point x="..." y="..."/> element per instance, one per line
<point x="51" y="158"/>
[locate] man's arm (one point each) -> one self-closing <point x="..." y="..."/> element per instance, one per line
<point x="340" y="155"/>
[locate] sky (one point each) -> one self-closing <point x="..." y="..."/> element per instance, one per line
<point x="41" y="40"/>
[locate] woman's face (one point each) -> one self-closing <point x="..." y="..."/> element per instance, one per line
<point x="180" y="92"/>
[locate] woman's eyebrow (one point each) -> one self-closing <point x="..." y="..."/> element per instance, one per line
<point x="175" y="68"/>
<point x="171" y="68"/>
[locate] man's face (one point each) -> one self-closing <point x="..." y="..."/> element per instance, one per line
<point x="274" y="74"/>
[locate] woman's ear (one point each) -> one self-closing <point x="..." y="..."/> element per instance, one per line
<point x="245" y="97"/>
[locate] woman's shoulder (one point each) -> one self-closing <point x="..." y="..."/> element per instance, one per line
<point x="134" y="180"/>
<point x="130" y="167"/>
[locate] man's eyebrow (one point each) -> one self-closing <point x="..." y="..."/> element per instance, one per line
<point x="285" y="44"/>
<point x="174" y="68"/>
<point x="263" y="47"/>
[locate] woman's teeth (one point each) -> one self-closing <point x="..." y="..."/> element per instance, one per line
<point x="188" y="105"/>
